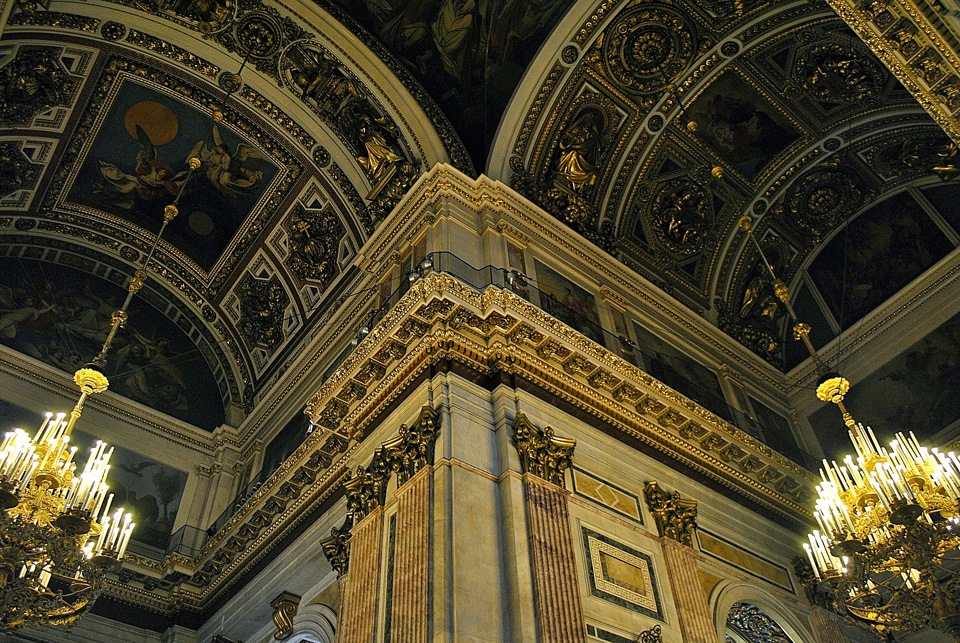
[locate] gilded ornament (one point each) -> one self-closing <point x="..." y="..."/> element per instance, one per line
<point x="676" y="518"/>
<point x="542" y="453"/>
<point x="33" y="81"/>
<point x="837" y="73"/>
<point x="579" y="153"/>
<point x="284" y="609"/>
<point x="336" y="548"/>
<point x="833" y="389"/>
<point x="680" y="211"/>
<point x="91" y="380"/>
<point x="646" y="47"/>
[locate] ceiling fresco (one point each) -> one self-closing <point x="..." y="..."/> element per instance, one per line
<point x="648" y="127"/>
<point x="136" y="165"/>
<point x="60" y="315"/>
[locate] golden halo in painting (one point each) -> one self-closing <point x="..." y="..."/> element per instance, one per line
<point x="156" y="119"/>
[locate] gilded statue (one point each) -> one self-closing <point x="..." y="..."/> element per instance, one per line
<point x="380" y="158"/>
<point x="579" y="146"/>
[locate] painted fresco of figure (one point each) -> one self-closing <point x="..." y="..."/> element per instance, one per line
<point x="230" y="172"/>
<point x="151" y="177"/>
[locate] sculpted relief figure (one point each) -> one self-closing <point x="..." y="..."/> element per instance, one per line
<point x="579" y="147"/>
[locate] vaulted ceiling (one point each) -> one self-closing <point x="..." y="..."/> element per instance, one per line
<point x="648" y="127"/>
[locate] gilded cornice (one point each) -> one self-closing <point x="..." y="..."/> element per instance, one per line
<point x="441" y="319"/>
<point x="495" y="330"/>
<point x="915" y="46"/>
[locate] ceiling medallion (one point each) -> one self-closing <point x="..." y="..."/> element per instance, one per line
<point x="680" y="213"/>
<point x="647" y="48"/>
<point x="258" y="34"/>
<point x="835" y="73"/>
<point x="822" y="199"/>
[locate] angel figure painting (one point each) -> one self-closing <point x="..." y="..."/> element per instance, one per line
<point x="137" y="164"/>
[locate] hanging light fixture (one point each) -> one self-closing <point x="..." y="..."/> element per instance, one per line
<point x="886" y="551"/>
<point x="58" y="538"/>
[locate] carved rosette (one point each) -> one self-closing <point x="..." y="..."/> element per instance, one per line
<point x="676" y="518"/>
<point x="314" y="243"/>
<point x="262" y="303"/>
<point x="822" y="199"/>
<point x="680" y="212"/>
<point x="835" y="73"/>
<point x="541" y="452"/>
<point x="647" y="47"/>
<point x="336" y="547"/>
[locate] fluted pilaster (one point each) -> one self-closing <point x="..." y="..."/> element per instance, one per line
<point x="557" y="598"/>
<point x="359" y="620"/>
<point x="410" y="616"/>
<point x="688" y="593"/>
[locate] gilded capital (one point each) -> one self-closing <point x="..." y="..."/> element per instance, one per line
<point x="676" y="518"/>
<point x="412" y="450"/>
<point x="541" y="452"/>
<point x="336" y="547"/>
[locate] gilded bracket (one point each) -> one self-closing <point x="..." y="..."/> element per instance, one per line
<point x="284" y="609"/>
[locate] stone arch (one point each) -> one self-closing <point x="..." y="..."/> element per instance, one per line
<point x="314" y="623"/>
<point x="730" y="594"/>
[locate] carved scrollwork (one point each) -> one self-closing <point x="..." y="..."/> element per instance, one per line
<point x="16" y="171"/>
<point x="837" y="73"/>
<point x="336" y="547"/>
<point x="262" y="303"/>
<point x="754" y="624"/>
<point x="653" y="635"/>
<point x="647" y="47"/>
<point x="284" y="609"/>
<point x="541" y="452"/>
<point x="676" y="518"/>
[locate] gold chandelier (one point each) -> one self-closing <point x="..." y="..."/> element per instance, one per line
<point x="887" y="548"/>
<point x="58" y="539"/>
<point x="886" y="552"/>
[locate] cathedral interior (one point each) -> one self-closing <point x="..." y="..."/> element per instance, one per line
<point x="442" y="238"/>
